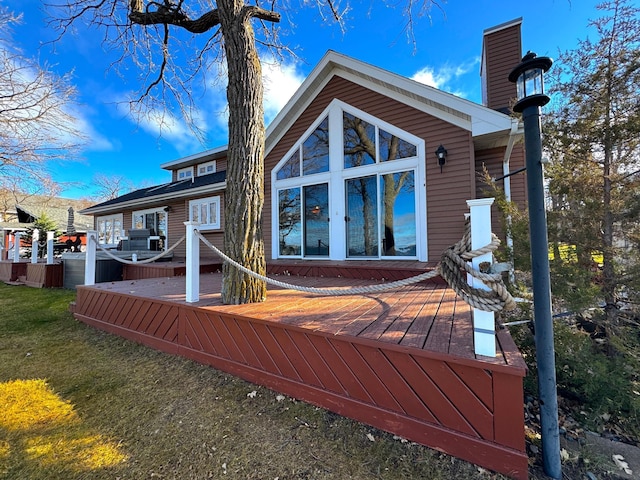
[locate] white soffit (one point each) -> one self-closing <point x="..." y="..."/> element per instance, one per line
<point x="458" y="111"/>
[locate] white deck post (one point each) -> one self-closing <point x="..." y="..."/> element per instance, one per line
<point x="2" y="247"/>
<point x="192" y="263"/>
<point x="90" y="258"/>
<point x="35" y="236"/>
<point x="50" y="247"/>
<point x="17" y="239"/>
<point x="484" y="329"/>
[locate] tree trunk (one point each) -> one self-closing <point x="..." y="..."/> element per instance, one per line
<point x="244" y="196"/>
<point x="609" y="281"/>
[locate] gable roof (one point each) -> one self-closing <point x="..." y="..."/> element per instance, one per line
<point x="488" y="127"/>
<point x="162" y="193"/>
<point x="484" y="123"/>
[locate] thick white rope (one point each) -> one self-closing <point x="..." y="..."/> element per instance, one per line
<point x="138" y="262"/>
<point x="497" y="299"/>
<point x="322" y="291"/>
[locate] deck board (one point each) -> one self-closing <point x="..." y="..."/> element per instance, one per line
<point x="400" y="360"/>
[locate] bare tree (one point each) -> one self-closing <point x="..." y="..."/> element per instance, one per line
<point x="109" y="187"/>
<point x="35" y="125"/>
<point x="142" y="30"/>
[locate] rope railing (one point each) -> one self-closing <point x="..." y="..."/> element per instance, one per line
<point x="138" y="262"/>
<point x="453" y="265"/>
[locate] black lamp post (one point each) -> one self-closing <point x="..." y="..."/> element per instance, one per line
<point x="529" y="79"/>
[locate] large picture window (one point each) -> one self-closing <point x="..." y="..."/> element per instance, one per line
<point x="381" y="215"/>
<point x="109" y="229"/>
<point x="348" y="190"/>
<point x="205" y="211"/>
<point x="154" y="220"/>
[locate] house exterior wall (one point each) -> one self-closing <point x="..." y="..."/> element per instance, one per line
<point x="502" y="51"/>
<point x="492" y="160"/>
<point x="447" y="192"/>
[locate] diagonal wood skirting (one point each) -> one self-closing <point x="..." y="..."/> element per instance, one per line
<point x="467" y="408"/>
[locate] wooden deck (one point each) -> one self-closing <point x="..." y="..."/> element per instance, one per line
<point x="401" y="361"/>
<point x="39" y="275"/>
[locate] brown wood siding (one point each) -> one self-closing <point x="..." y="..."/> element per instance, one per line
<point x="346" y="354"/>
<point x="10" y="271"/>
<point x="175" y="227"/>
<point x="447" y="192"/>
<point x="127" y="221"/>
<point x="492" y="159"/>
<point x="518" y="181"/>
<point x="503" y="51"/>
<point x="42" y="275"/>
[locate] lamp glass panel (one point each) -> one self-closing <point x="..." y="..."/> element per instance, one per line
<point x="533" y="82"/>
<point x="520" y="90"/>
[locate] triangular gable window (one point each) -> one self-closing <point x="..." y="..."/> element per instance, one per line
<point x="366" y="144"/>
<point x="314" y="152"/>
<point x="352" y="187"/>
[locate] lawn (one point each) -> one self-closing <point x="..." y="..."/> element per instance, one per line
<point x="78" y="403"/>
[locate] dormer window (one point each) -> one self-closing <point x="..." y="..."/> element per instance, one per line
<point x="207" y="168"/>
<point x="185" y="173"/>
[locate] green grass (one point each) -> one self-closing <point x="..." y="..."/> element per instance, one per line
<point x="82" y="404"/>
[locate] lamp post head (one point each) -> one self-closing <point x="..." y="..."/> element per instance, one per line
<point x="528" y="76"/>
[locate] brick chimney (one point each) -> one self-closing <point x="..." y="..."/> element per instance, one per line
<point x="501" y="51"/>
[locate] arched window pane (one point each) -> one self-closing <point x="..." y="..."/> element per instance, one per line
<point x="394" y="148"/>
<point x="359" y="141"/>
<point x="315" y="150"/>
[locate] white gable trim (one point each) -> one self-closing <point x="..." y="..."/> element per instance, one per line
<point x="477" y="119"/>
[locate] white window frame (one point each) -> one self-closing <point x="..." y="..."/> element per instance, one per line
<point x="118" y="217"/>
<point x="146" y="211"/>
<point x="184" y="173"/>
<point x="338" y="174"/>
<point x="204" y="166"/>
<point x="208" y="202"/>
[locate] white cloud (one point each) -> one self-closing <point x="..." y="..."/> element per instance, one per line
<point x="280" y="82"/>
<point x="430" y="77"/>
<point x="445" y="78"/>
<point x="175" y="130"/>
<point x="95" y="141"/>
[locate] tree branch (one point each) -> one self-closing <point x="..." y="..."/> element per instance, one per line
<point x="170" y="14"/>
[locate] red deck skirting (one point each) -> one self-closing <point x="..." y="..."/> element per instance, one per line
<point x="468" y="407"/>
<point x="10" y="271"/>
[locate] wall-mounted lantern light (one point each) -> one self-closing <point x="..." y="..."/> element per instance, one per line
<point x="441" y="153"/>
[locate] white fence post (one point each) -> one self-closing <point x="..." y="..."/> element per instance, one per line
<point x="17" y="239"/>
<point x="90" y="258"/>
<point x="192" y="263"/>
<point x="484" y="326"/>
<point x="50" y="236"/>
<point x="35" y="236"/>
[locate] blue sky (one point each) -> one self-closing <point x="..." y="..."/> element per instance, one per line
<point x="447" y="51"/>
